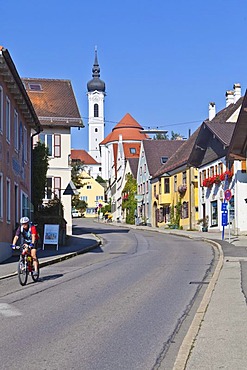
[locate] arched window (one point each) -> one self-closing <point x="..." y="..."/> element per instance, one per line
<point x="96" y="130"/>
<point x="96" y="110"/>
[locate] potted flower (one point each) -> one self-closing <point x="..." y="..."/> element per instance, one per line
<point x="204" y="223"/>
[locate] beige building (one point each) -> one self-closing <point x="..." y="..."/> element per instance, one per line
<point x="92" y="193"/>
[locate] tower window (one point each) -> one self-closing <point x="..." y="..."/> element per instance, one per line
<point x="96" y="110"/>
<point x="133" y="150"/>
<point x="96" y="130"/>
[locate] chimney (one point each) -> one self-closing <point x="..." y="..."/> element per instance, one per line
<point x="229" y="97"/>
<point x="237" y="92"/>
<point x="211" y="111"/>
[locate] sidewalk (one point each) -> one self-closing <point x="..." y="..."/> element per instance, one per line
<point x="76" y="244"/>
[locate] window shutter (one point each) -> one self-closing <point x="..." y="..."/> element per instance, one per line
<point x="57" y="145"/>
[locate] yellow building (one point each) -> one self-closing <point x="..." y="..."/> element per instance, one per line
<point x="175" y="191"/>
<point x="92" y="192"/>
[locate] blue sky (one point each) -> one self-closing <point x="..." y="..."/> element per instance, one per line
<point x="162" y="61"/>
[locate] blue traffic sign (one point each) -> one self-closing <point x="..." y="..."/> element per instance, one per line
<point x="224" y="219"/>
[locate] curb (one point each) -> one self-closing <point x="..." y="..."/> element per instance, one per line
<point x="190" y="337"/>
<point x="60" y="258"/>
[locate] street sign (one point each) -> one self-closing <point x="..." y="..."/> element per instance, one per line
<point x="224" y="219"/>
<point x="224" y="207"/>
<point x="228" y="194"/>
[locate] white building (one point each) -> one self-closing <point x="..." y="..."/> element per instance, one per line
<point x="56" y="107"/>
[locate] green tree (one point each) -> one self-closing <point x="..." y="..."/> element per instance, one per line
<point x="39" y="170"/>
<point x="175" y="136"/>
<point x="77" y="168"/>
<point x="160" y="136"/>
<point x="129" y="202"/>
<point x="100" y="180"/>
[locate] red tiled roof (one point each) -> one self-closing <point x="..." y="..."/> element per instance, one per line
<point x="129" y="128"/>
<point x="128" y="146"/>
<point x="55" y="101"/>
<point x="83" y="156"/>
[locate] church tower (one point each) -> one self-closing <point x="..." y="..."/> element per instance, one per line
<point x="96" y="96"/>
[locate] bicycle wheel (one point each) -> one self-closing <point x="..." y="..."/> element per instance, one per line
<point x="35" y="277"/>
<point x="22" y="272"/>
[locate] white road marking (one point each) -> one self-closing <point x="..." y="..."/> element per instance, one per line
<point x="8" y="310"/>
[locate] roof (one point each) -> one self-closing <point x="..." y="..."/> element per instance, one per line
<point x="132" y="150"/>
<point x="83" y="156"/>
<point x="180" y="157"/>
<point x="14" y="83"/>
<point x="54" y="101"/>
<point x="238" y="144"/>
<point x="133" y="163"/>
<point x="220" y="127"/>
<point x="130" y="130"/>
<point x="156" y="149"/>
<point x="220" y="124"/>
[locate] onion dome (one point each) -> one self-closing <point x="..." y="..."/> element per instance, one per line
<point x="96" y="83"/>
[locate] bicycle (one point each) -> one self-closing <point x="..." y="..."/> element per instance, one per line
<point x="25" y="265"/>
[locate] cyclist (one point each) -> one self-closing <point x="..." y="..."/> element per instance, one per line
<point x="29" y="234"/>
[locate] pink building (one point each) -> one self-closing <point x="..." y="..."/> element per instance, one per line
<point x="18" y="124"/>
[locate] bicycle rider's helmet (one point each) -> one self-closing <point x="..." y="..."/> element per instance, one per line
<point x="24" y="220"/>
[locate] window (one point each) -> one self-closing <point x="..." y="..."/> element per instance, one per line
<point x="1" y="195"/>
<point x="16" y="131"/>
<point x="164" y="160"/>
<point x="185" y="210"/>
<point x="99" y="197"/>
<point x="96" y="130"/>
<point x="48" y="188"/>
<point x="7" y="119"/>
<point x="47" y="140"/>
<point x="155" y="191"/>
<point x="57" y="187"/>
<point x="145" y="168"/>
<point x="147" y="187"/>
<point x="1" y="109"/>
<point x="184" y="178"/>
<point x="83" y="197"/>
<point x="16" y="200"/>
<point x="34" y="87"/>
<point x="175" y="183"/>
<point x="8" y="197"/>
<point x="24" y="205"/>
<point x="57" y="145"/>
<point x="167" y="185"/>
<point x="214" y="213"/>
<point x="25" y="143"/>
<point x="96" y="110"/>
<point x="132" y="150"/>
<point x="89" y="187"/>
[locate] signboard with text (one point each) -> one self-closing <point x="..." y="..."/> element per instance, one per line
<point x="51" y="234"/>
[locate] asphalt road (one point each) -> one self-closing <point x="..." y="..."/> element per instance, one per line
<point x="118" y="307"/>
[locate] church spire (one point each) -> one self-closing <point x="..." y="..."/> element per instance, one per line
<point x="96" y="83"/>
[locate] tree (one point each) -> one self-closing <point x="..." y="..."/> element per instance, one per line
<point x="77" y="168"/>
<point x="39" y="170"/>
<point x="175" y="136"/>
<point x="129" y="202"/>
<point x="100" y="180"/>
<point x="160" y="136"/>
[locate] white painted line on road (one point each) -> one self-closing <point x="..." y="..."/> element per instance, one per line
<point x="8" y="310"/>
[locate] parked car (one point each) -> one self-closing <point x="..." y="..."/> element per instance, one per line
<point x="76" y="213"/>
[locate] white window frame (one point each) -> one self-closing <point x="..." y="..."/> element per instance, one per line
<point x="16" y="131"/>
<point x="17" y="212"/>
<point x="8" y="119"/>
<point x="1" y="195"/>
<point x="25" y="143"/>
<point x="24" y="207"/>
<point x="8" y="200"/>
<point x="1" y="109"/>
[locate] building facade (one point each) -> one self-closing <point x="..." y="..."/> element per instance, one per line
<point x="18" y="126"/>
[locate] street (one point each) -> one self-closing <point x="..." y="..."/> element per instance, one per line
<point x="121" y="306"/>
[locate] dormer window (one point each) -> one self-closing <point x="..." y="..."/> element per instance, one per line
<point x="164" y="160"/>
<point x="34" y="87"/>
<point x="132" y="150"/>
